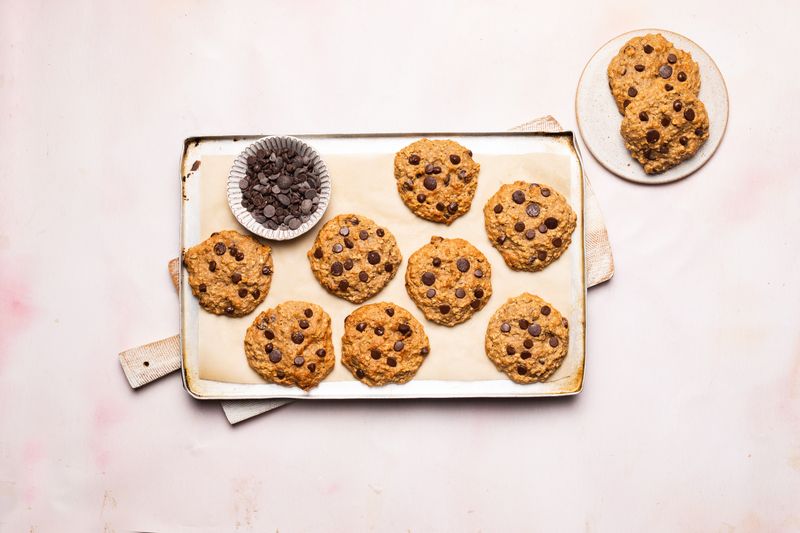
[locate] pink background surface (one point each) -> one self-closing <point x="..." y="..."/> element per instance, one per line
<point x="690" y="415"/>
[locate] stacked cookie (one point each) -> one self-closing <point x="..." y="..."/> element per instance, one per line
<point x="655" y="86"/>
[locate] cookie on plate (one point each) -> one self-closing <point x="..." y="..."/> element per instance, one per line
<point x="527" y="338"/>
<point x="449" y="279"/>
<point x="662" y="132"/>
<point x="229" y="273"/>
<point x="382" y="344"/>
<point x="531" y="225"/>
<point x="354" y="258"/>
<point x="291" y="345"/>
<point x="649" y="66"/>
<point x="436" y="179"/>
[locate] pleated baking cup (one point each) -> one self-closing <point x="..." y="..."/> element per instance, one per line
<point x="239" y="172"/>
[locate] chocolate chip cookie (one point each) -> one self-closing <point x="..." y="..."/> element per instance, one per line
<point x="382" y="344"/>
<point x="229" y="273"/>
<point x="436" y="179"/>
<point x="527" y="338"/>
<point x="531" y="225"/>
<point x="354" y="258"/>
<point x="651" y="65"/>
<point x="291" y="345"/>
<point x="662" y="132"/>
<point x="449" y="280"/>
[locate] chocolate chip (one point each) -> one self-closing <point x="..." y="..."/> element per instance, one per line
<point x="363" y="235"/>
<point x="518" y="196"/>
<point x="521" y="370"/>
<point x="375" y="354"/>
<point x="379" y="232"/>
<point x="542" y="255"/>
<point x="665" y="71"/>
<point x="212" y="266"/>
<point x="639" y="68"/>
<point x="530" y="234"/>
<point x="542" y="228"/>
<point x="527" y="342"/>
<point x="460" y="293"/>
<point x="436" y="262"/>
<point x="626" y="103"/>
<point x="391" y="361"/>
<point x="229" y="310"/>
<point x="444" y="309"/>
<point x="388" y="267"/>
<point x="430" y="293"/>
<point x="525" y="355"/>
<point x="299" y="360"/>
<point x="551" y="223"/>
<point x="413" y="159"/>
<point x="557" y="242"/>
<point x="684" y="141"/>
<point x="398" y="346"/>
<point x="242" y="293"/>
<point x="650" y="154"/>
<point x="510" y="350"/>
<point x="303" y="323"/>
<point x="361" y="326"/>
<point x="428" y="278"/>
<point x="219" y="248"/>
<point x="545" y="192"/>
<point x="663" y="149"/>
<point x="297" y="337"/>
<point x="389" y="311"/>
<point x="519" y="226"/>
<point x="672" y="58"/>
<point x="523" y="324"/>
<point x="553" y="342"/>
<point x="359" y="373"/>
<point x="275" y="356"/>
<point x="475" y="304"/>
<point x="689" y="114"/>
<point x="363" y="277"/>
<point x="545" y="310"/>
<point x="455" y="159"/>
<point x="505" y="327"/>
<point x="373" y="258"/>
<point x="632" y="92"/>
<point x="533" y="209"/>
<point x="429" y="182"/>
<point x="421" y="198"/>
<point x="478" y="293"/>
<point x="652" y="136"/>
<point x="677" y="105"/>
<point x="498" y="208"/>
<point x="668" y="87"/>
<point x="699" y="132"/>
<point x="344" y="285"/>
<point x="312" y="367"/>
<point x="437" y="170"/>
<point x="564" y="323"/>
<point x="643" y="116"/>
<point x="665" y="122"/>
<point x="452" y="208"/>
<point x="236" y="277"/>
<point x="478" y="273"/>
<point x="648" y="49"/>
<point x="462" y="264"/>
<point x="500" y="239"/>
<point x="429" y="168"/>
<point x="681" y="76"/>
<point x="440" y="206"/>
<point x="337" y="268"/>
<point x="321" y="353"/>
<point x="405" y="329"/>
<point x="535" y="330"/>
<point x="202" y="287"/>
<point x="344" y="231"/>
<point x="268" y="333"/>
<point x="318" y="253"/>
<point x="256" y="293"/>
<point x="379" y="331"/>
<point x="266" y="270"/>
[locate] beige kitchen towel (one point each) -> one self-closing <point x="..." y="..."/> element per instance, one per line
<point x="152" y="361"/>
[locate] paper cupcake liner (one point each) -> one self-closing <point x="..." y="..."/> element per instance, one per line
<point x="239" y="171"/>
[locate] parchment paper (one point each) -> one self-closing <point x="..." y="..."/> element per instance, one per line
<point x="364" y="184"/>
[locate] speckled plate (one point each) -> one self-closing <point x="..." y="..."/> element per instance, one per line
<point x="599" y="121"/>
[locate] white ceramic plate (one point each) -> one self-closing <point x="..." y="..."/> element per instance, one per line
<point x="599" y="120"/>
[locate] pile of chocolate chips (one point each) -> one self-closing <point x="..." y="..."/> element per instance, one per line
<point x="281" y="189"/>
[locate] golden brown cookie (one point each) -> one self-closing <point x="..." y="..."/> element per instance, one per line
<point x="436" y="179"/>
<point x="527" y="338"/>
<point x="531" y="225"/>
<point x="651" y="65"/>
<point x="662" y="132"/>
<point x="354" y="258"/>
<point x="291" y="345"/>
<point x="449" y="279"/>
<point x="229" y="273"/>
<point x="382" y="344"/>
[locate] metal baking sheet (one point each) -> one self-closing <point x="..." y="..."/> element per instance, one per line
<point x="202" y="183"/>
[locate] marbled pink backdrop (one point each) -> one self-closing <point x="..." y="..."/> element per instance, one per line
<point x="690" y="416"/>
